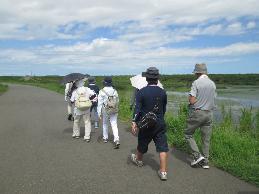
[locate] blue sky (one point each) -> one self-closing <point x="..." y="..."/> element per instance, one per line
<point x="125" y="37"/>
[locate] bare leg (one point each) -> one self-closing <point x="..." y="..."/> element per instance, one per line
<point x="163" y="161"/>
<point x="139" y="156"/>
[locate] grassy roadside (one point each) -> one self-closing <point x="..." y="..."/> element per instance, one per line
<point x="3" y="88"/>
<point x="235" y="150"/>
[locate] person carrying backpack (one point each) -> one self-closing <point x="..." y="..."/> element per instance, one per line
<point x="82" y="98"/>
<point x="92" y="85"/>
<point x="148" y="121"/>
<point x="108" y="101"/>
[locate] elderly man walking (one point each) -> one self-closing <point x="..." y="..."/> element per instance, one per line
<point x="201" y="104"/>
<point x="151" y="100"/>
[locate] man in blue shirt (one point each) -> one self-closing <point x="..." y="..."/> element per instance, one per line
<point x="146" y="99"/>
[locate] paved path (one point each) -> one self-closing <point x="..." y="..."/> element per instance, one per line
<point x="38" y="155"/>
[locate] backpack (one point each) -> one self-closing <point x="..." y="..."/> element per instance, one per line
<point x="112" y="105"/>
<point x="82" y="102"/>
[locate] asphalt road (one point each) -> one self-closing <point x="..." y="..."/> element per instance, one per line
<point x="38" y="155"/>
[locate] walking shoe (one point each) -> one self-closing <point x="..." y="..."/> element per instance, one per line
<point x="205" y="165"/>
<point x="87" y="140"/>
<point x="69" y="117"/>
<point x="137" y="162"/>
<point x="162" y="175"/>
<point x="105" y="140"/>
<point x="116" y="144"/>
<point x="198" y="160"/>
<point x="77" y="137"/>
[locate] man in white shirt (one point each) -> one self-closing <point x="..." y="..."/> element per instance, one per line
<point x="202" y="102"/>
<point x="103" y="96"/>
<point x="78" y="114"/>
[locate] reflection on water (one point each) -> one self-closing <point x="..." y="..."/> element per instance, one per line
<point x="233" y="99"/>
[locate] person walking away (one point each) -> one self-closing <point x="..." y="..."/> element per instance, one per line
<point x="108" y="101"/>
<point x="68" y="93"/>
<point x="82" y="97"/>
<point x="201" y="104"/>
<point x="151" y="99"/>
<point x="92" y="85"/>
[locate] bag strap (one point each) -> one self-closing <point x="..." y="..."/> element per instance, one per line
<point x="107" y="93"/>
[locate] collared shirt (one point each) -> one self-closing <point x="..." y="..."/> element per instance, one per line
<point x="88" y="93"/>
<point x="103" y="98"/>
<point x="204" y="90"/>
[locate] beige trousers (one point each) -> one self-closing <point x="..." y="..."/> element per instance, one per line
<point x="87" y="122"/>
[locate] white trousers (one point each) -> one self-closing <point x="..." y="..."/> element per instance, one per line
<point x="113" y="120"/>
<point x="69" y="108"/>
<point x="76" y="127"/>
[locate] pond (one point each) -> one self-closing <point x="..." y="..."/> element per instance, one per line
<point x="232" y="98"/>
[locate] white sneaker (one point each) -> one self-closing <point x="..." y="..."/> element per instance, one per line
<point x="162" y="175"/>
<point x="87" y="140"/>
<point x="134" y="160"/>
<point x="197" y="161"/>
<point x="205" y="165"/>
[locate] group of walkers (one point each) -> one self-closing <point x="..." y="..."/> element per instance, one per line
<point x="91" y="103"/>
<point x="149" y="107"/>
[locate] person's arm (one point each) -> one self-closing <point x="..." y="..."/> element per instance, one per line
<point x="73" y="97"/>
<point x="136" y="114"/>
<point x="100" y="102"/>
<point x="193" y="93"/>
<point x="165" y="103"/>
<point x="66" y="91"/>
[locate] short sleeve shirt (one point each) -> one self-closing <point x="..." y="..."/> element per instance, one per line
<point x="204" y="89"/>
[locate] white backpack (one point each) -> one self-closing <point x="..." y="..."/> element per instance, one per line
<point x="82" y="102"/>
<point x="112" y="104"/>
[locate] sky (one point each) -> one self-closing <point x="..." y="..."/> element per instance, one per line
<point x="118" y="37"/>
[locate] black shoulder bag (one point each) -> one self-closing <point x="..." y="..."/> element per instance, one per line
<point x="149" y="120"/>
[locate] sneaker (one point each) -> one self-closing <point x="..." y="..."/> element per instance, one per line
<point x="69" y="117"/>
<point x="87" y="140"/>
<point x="134" y="160"/>
<point x="116" y="145"/>
<point x="197" y="161"/>
<point x="205" y="165"/>
<point x="77" y="137"/>
<point x="105" y="140"/>
<point x="162" y="175"/>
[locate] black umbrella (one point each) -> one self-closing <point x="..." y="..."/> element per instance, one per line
<point x="73" y="77"/>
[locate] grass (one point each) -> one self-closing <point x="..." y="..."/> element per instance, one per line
<point x="3" y="88"/>
<point x="235" y="151"/>
<point x="234" y="148"/>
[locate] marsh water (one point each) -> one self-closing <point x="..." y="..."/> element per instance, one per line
<point x="232" y="98"/>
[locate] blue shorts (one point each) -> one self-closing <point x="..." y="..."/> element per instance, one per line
<point x="159" y="138"/>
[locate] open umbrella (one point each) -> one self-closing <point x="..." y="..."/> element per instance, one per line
<point x="140" y="82"/>
<point x="73" y="77"/>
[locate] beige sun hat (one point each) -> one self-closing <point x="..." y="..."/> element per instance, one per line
<point x="200" y="68"/>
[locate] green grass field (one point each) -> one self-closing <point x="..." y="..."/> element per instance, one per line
<point x="234" y="149"/>
<point x="3" y="88"/>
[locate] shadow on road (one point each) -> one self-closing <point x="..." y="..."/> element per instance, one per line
<point x="180" y="155"/>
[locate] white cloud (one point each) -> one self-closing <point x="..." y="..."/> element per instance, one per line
<point x="44" y="17"/>
<point x="251" y="25"/>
